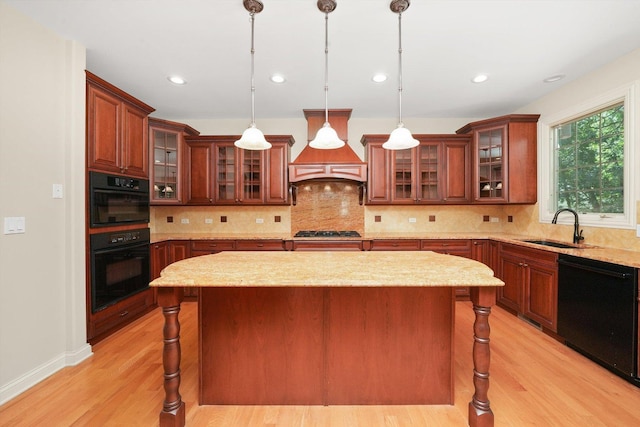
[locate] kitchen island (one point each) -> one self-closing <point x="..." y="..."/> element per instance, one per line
<point x="326" y="328"/>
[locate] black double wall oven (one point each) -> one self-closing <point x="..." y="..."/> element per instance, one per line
<point x="120" y="259"/>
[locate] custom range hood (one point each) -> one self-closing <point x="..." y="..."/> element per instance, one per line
<point x="331" y="164"/>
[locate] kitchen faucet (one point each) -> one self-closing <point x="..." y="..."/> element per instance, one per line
<point x="577" y="235"/>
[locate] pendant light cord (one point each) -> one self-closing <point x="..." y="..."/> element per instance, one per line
<point x="326" y="66"/>
<point x="400" y="69"/>
<point x="253" y="84"/>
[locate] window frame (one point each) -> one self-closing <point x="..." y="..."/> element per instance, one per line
<point x="546" y="152"/>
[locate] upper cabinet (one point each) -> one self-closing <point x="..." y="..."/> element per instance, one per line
<point x="166" y="140"/>
<point x="435" y="172"/>
<point x="117" y="130"/>
<point x="221" y="174"/>
<point x="504" y="159"/>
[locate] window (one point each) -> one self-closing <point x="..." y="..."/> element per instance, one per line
<point x="590" y="151"/>
<point x="589" y="154"/>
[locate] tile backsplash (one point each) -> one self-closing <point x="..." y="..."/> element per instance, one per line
<point x="334" y="205"/>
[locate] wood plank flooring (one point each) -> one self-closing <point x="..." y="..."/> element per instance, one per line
<point x="535" y="381"/>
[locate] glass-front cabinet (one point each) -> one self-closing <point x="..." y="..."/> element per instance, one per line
<point x="435" y="172"/>
<point x="504" y="158"/>
<point x="489" y="152"/>
<point x="239" y="175"/>
<point x="166" y="140"/>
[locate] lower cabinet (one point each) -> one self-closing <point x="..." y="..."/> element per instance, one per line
<point x="458" y="247"/>
<point x="531" y="283"/>
<point x="165" y="253"/>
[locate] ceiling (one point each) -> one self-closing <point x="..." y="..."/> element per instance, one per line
<point x="136" y="44"/>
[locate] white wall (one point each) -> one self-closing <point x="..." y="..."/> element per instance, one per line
<point x="42" y="272"/>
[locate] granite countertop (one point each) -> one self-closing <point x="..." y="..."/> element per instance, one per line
<point x="340" y="269"/>
<point x="613" y="255"/>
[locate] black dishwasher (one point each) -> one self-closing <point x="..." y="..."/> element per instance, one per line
<point x="598" y="312"/>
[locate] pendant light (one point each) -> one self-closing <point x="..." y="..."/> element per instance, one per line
<point x="401" y="137"/>
<point x="253" y="138"/>
<point x="327" y="137"/>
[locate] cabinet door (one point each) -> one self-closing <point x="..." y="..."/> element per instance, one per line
<point x="199" y="167"/>
<point x="104" y="114"/>
<point x="456" y="176"/>
<point x="159" y="258"/>
<point x="225" y="178"/>
<point x="165" y="158"/>
<point x="428" y="176"/>
<point x="135" y="154"/>
<point x="510" y="295"/>
<point x="403" y="172"/>
<point x="490" y="153"/>
<point x="541" y="294"/>
<point x="378" y="174"/>
<point x="276" y="188"/>
<point x="251" y="178"/>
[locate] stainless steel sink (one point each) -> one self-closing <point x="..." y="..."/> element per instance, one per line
<point x="553" y="244"/>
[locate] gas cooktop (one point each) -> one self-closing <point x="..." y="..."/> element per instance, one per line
<point x="326" y="233"/>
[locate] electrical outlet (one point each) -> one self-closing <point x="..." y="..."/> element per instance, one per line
<point x="259" y="221"/>
<point x="184" y="221"/>
<point x="494" y="219"/>
<point x="208" y="220"/>
<point x="412" y="220"/>
<point x="57" y="191"/>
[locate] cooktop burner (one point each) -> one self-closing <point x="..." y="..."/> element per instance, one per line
<point x="326" y="233"/>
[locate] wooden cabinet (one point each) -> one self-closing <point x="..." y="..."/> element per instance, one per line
<point x="531" y="283"/>
<point x="206" y="247"/>
<point x="458" y="247"/>
<point x="198" y="166"/>
<point x="117" y="128"/>
<point x="166" y="141"/>
<point x="168" y="252"/>
<point x="504" y="158"/>
<point x="394" y="245"/>
<point x="159" y="258"/>
<point x="221" y="174"/>
<point x="260" y="245"/>
<point x="435" y="172"/>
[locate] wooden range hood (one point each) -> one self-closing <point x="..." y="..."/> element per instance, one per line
<point x="339" y="163"/>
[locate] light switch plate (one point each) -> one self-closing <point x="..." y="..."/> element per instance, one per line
<point x="57" y="191"/>
<point x="14" y="225"/>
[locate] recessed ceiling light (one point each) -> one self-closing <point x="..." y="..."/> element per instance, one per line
<point x="554" y="78"/>
<point x="379" y="78"/>
<point x="177" y="80"/>
<point x="480" y="78"/>
<point x="277" y="78"/>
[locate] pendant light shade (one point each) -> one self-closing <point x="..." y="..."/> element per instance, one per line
<point x="327" y="137"/>
<point x="252" y="138"/>
<point x="400" y="138"/>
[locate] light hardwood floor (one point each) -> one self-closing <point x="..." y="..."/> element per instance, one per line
<point x="535" y="381"/>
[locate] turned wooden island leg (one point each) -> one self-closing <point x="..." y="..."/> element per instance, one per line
<point x="173" y="410"/>
<point x="480" y="413"/>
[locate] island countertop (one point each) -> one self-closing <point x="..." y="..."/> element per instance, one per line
<point x="340" y="269"/>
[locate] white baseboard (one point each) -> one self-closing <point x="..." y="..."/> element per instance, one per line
<point x="23" y="383"/>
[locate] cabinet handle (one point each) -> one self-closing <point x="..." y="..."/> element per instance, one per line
<point x="525" y="265"/>
<point x="124" y="313"/>
<point x="520" y="264"/>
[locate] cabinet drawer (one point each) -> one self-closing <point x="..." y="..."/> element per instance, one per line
<point x="446" y="245"/>
<point x="260" y="245"/>
<point x="395" y="245"/>
<point x="531" y="255"/>
<point x="327" y="245"/>
<point x="119" y="314"/>
<point x="211" y="246"/>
